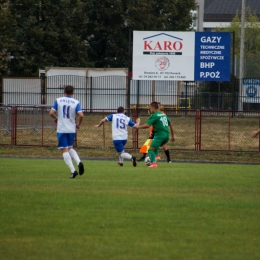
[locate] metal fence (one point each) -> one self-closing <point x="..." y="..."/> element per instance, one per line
<point x="109" y="92"/>
<point x="197" y="130"/>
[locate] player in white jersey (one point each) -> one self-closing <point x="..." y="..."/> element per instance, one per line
<point x="120" y="122"/>
<point x="64" y="111"/>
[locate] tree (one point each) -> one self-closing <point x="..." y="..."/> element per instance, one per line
<point x="80" y="33"/>
<point x="7" y="23"/>
<point x="252" y="42"/>
<point x="111" y="21"/>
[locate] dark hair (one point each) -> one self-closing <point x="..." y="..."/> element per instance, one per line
<point x="120" y="110"/>
<point x="69" y="90"/>
<point x="154" y="105"/>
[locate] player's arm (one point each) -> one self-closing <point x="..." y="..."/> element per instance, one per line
<point x="255" y="133"/>
<point x="53" y="115"/>
<point x="134" y="124"/>
<point x="142" y="126"/>
<point x="81" y="115"/>
<point x="53" y="111"/>
<point x="137" y="123"/>
<point x="172" y="132"/>
<point x="101" y="122"/>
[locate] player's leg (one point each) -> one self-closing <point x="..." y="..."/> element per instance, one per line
<point x="157" y="156"/>
<point x="158" y="141"/>
<point x="167" y="153"/>
<point x="74" y="155"/>
<point x="63" y="145"/>
<point x="142" y="158"/>
<point x="153" y="150"/>
<point x="151" y="153"/>
<point x="119" y="148"/>
<point x="119" y="145"/>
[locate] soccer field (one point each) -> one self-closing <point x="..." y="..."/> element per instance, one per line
<point x="176" y="211"/>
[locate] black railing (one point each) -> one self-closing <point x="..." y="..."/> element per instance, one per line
<point x="108" y="92"/>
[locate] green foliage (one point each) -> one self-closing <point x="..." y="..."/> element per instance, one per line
<point x="80" y="33"/>
<point x="252" y="41"/>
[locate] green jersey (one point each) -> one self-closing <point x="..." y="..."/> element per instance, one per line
<point x="160" y="122"/>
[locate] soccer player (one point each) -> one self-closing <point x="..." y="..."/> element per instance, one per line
<point x="161" y="123"/>
<point x="120" y="122"/>
<point x="64" y="111"/>
<point x="145" y="147"/>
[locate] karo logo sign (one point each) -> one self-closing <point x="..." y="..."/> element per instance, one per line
<point x="156" y="45"/>
<point x="163" y="55"/>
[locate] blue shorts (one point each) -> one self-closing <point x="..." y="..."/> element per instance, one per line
<point x="65" y="140"/>
<point x="119" y="145"/>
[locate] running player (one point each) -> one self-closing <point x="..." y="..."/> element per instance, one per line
<point x="146" y="145"/>
<point x="120" y="122"/>
<point x="64" y="111"/>
<point x="161" y="124"/>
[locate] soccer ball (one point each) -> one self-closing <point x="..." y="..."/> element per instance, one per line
<point x="147" y="161"/>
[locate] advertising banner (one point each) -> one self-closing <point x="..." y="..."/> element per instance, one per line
<point x="185" y="56"/>
<point x="251" y="90"/>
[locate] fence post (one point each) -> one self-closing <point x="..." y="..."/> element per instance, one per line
<point x="1" y="91"/>
<point x="229" y="121"/>
<point x="13" y="124"/>
<point x="104" y="132"/>
<point x="198" y="130"/>
<point x="91" y="95"/>
<point x="43" y="89"/>
<point x="134" y="131"/>
<point x="259" y="135"/>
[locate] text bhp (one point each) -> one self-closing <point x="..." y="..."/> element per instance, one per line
<point x="207" y="65"/>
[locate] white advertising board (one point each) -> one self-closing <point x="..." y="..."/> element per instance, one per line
<point x="181" y="56"/>
<point x="163" y="55"/>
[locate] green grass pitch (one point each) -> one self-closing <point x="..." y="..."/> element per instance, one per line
<point x="175" y="211"/>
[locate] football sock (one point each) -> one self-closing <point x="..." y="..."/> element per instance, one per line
<point x="143" y="156"/>
<point x="167" y="153"/>
<point x="74" y="156"/>
<point x="151" y="154"/>
<point x="125" y="155"/>
<point x="121" y="160"/>
<point x="68" y="161"/>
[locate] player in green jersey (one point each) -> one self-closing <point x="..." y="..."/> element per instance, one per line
<point x="161" y="124"/>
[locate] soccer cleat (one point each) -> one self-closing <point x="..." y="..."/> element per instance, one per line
<point x="81" y="168"/>
<point x="169" y="161"/>
<point x="119" y="163"/>
<point x="153" y="165"/>
<point x="157" y="157"/>
<point x="74" y="174"/>
<point x="134" y="161"/>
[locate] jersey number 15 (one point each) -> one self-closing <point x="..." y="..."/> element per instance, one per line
<point x="120" y="123"/>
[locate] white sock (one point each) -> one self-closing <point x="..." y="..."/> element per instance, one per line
<point x="74" y="156"/>
<point x="68" y="161"/>
<point x="121" y="160"/>
<point x="127" y="156"/>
